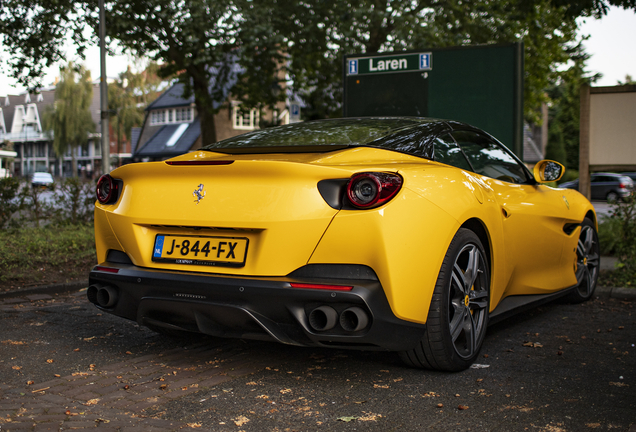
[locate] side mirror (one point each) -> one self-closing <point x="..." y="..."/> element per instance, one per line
<point x="546" y="171"/>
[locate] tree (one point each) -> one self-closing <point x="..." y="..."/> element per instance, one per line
<point x="69" y="119"/>
<point x="195" y="41"/>
<point x="127" y="98"/>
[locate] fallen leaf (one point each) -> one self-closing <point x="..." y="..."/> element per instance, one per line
<point x="16" y="367"/>
<point x="439" y="405"/>
<point x="91" y="402"/>
<point x="346" y="419"/>
<point x="49" y="361"/>
<point x="240" y="421"/>
<point x="194" y="425"/>
<point x="128" y="352"/>
<point x="619" y="384"/>
<point x="57" y="375"/>
<point x="380" y="386"/>
<point x="285" y="391"/>
<point x="370" y="417"/>
<point x="12" y="342"/>
<point x="462" y="407"/>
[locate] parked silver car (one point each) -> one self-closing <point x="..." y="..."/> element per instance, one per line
<point x="606" y="186"/>
<point x="42" y="179"/>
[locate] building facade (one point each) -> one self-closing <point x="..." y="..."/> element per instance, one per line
<point x="21" y="124"/>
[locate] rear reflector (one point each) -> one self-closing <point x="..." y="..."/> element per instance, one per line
<point x="195" y="162"/>
<point x="322" y="287"/>
<point x="107" y="269"/>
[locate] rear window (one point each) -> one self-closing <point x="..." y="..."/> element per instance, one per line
<point x="399" y="134"/>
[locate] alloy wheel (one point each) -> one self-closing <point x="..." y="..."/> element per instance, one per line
<point x="468" y="305"/>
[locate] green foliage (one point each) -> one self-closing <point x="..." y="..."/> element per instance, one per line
<point x="69" y="119"/>
<point x="9" y="203"/>
<point x="608" y="236"/>
<point x="26" y="254"/>
<point x="556" y="147"/>
<point x="74" y="202"/>
<point x="617" y="235"/>
<point x="35" y="210"/>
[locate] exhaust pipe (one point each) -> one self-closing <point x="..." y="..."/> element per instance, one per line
<point x="102" y="295"/>
<point x="91" y="293"/>
<point x="323" y="318"/>
<point x="353" y="319"/>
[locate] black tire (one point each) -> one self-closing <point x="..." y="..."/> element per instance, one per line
<point x="588" y="262"/>
<point x="458" y="315"/>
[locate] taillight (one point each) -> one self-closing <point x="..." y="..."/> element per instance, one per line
<point x="368" y="190"/>
<point x="107" y="189"/>
<point x="321" y="286"/>
<point x="622" y="185"/>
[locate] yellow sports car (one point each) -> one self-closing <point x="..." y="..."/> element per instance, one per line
<point x="401" y="234"/>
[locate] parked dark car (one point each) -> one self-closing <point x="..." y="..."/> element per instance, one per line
<point x="606" y="186"/>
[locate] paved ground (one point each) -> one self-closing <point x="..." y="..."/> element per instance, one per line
<point x="64" y="365"/>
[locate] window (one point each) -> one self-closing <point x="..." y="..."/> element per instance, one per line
<point x="490" y="158"/>
<point x="244" y="119"/>
<point x="171" y="115"/>
<point x="40" y="149"/>
<point x="158" y="117"/>
<point x="448" y="152"/>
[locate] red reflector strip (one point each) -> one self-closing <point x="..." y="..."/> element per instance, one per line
<point x="322" y="287"/>
<point x="107" y="269"/>
<point x="191" y="162"/>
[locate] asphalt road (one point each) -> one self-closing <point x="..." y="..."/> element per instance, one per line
<point x="65" y="365"/>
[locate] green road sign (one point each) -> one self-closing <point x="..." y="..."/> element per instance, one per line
<point x="389" y="64"/>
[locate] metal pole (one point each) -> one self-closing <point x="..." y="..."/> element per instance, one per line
<point x="103" y="90"/>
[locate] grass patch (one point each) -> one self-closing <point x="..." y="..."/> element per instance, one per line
<point x="41" y="256"/>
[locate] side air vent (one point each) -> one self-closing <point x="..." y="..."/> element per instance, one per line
<point x="570" y="227"/>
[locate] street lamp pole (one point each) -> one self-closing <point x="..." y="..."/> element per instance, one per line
<point x="103" y="90"/>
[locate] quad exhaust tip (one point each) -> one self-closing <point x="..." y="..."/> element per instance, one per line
<point x="102" y="295"/>
<point x="325" y="318"/>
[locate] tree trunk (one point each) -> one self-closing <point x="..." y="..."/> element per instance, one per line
<point x="74" y="161"/>
<point x="205" y="111"/>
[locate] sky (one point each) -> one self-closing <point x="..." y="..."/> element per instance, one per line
<point x="612" y="44"/>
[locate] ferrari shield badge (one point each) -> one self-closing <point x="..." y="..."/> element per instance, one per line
<point x="198" y="193"/>
<point x="566" y="201"/>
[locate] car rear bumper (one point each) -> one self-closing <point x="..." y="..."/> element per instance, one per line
<point x="254" y="308"/>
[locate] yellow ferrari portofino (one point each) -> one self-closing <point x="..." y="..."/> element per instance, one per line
<point x="401" y="234"/>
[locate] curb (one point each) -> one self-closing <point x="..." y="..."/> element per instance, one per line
<point x="47" y="289"/>
<point x="616" y="293"/>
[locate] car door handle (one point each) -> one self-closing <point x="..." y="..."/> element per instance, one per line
<point x="505" y="212"/>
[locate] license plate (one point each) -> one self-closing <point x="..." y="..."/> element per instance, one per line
<point x="210" y="251"/>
